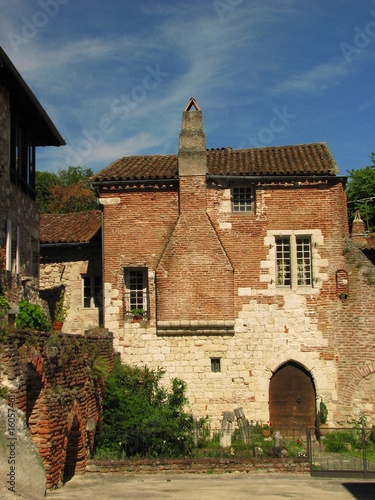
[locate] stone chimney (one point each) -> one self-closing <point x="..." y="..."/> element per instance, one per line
<point x="358" y="235"/>
<point x="192" y="158"/>
<point x="194" y="277"/>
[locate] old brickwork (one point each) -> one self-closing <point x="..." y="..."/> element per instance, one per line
<point x="56" y="385"/>
<point x="218" y="316"/>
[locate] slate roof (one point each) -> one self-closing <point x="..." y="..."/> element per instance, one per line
<point x="302" y="160"/>
<point x="78" y="227"/>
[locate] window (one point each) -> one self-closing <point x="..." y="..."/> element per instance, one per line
<point x="243" y="199"/>
<point x="22" y="157"/>
<point x="12" y="248"/>
<point x="34" y="257"/>
<point x="136" y="289"/>
<point x="283" y="261"/>
<point x="304" y="271"/>
<point x="293" y="261"/>
<point x="92" y="291"/>
<point x="215" y="365"/>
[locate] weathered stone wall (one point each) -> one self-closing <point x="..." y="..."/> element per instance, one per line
<point x="23" y="212"/>
<point x="310" y="326"/>
<point x="56" y="381"/>
<point x="64" y="268"/>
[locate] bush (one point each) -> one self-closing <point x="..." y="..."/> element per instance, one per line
<point x="31" y="316"/>
<point x="141" y="418"/>
<point x="4" y="308"/>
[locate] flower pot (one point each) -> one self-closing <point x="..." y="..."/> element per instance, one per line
<point x="57" y="325"/>
<point x="323" y="429"/>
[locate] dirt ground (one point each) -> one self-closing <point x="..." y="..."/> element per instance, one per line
<point x="218" y="487"/>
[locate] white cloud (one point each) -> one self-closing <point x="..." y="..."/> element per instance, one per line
<point x="315" y="80"/>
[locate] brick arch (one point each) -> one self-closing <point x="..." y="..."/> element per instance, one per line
<point x="356" y="377"/>
<point x="74" y="444"/>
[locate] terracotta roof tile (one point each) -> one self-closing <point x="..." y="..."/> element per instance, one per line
<point x="78" y="227"/>
<point x="304" y="159"/>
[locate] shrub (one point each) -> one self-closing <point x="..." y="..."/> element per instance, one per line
<point x="141" y="418"/>
<point x="31" y="316"/>
<point x="4" y="308"/>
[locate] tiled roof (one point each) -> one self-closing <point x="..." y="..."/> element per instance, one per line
<point x="304" y="159"/>
<point x="78" y="227"/>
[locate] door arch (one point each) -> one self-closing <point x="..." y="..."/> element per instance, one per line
<point x="292" y="399"/>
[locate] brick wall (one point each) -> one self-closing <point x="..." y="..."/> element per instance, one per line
<point x="54" y="384"/>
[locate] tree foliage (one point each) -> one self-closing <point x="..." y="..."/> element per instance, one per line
<point x="142" y="418"/>
<point x="361" y="194"/>
<point x="65" y="192"/>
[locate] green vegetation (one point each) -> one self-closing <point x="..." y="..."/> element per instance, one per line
<point x="360" y="194"/>
<point x="4" y="308"/>
<point x="60" y="311"/>
<point x="31" y="316"/>
<point x="140" y="418"/>
<point x="323" y="412"/>
<point x="65" y="192"/>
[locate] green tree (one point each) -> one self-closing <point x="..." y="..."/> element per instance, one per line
<point x="361" y="194"/>
<point x="65" y="192"/>
<point x="44" y="181"/>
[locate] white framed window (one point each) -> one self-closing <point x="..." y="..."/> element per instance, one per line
<point x="293" y="261"/>
<point x="136" y="289"/>
<point x="243" y="199"/>
<point x="92" y="291"/>
<point x="12" y="248"/>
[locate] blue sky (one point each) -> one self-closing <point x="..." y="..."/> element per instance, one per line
<point x="115" y="76"/>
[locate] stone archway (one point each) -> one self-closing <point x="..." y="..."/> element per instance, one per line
<point x="292" y="399"/>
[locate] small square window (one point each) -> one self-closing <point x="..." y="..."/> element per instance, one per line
<point x="215" y="365"/>
<point x="243" y="199"/>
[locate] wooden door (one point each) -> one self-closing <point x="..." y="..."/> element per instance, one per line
<point x="292" y="400"/>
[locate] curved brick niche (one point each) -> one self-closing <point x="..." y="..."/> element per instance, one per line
<point x="75" y="452"/>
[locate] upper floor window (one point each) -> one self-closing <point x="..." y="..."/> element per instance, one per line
<point x="293" y="261"/>
<point x="243" y="198"/>
<point x="136" y="290"/>
<point x="22" y="157"/>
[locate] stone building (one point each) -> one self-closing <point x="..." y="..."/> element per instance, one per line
<point x="24" y="125"/>
<point x="71" y="260"/>
<point x="250" y="288"/>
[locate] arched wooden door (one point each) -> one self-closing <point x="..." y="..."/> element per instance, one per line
<point x="292" y="400"/>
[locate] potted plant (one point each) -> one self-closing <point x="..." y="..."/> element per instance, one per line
<point x="322" y="418"/>
<point x="60" y="312"/>
<point x="137" y="314"/>
<point x="266" y="430"/>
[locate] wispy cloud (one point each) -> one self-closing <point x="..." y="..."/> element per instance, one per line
<point x="314" y="80"/>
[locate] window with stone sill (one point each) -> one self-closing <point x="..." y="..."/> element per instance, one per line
<point x="136" y="290"/>
<point x="293" y="261"/>
<point x="243" y="199"/>
<point x="92" y="291"/>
